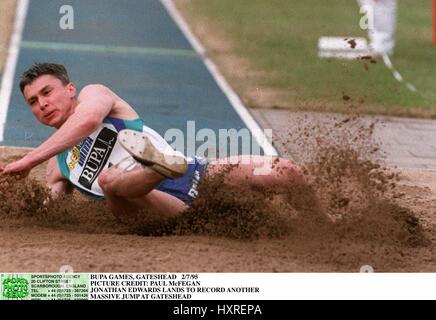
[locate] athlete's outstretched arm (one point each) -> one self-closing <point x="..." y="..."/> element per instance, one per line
<point x="95" y="102"/>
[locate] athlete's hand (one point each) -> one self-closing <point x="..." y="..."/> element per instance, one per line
<point x="20" y="168"/>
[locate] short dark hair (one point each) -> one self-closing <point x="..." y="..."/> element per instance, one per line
<point x="39" y="69"/>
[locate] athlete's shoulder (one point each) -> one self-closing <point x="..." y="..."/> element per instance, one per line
<point x="98" y="97"/>
<point x="94" y="88"/>
<point x="98" y="93"/>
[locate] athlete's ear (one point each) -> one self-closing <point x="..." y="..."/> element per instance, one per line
<point x="71" y="89"/>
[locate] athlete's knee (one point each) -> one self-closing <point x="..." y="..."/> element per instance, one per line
<point x="283" y="163"/>
<point x="274" y="166"/>
<point x="107" y="181"/>
<point x="284" y="169"/>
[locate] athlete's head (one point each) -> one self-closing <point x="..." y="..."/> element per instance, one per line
<point x="49" y="92"/>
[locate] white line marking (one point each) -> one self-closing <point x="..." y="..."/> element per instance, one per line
<point x="81" y="47"/>
<point x="174" y="13"/>
<point x="11" y="63"/>
<point x="236" y="102"/>
<point x="411" y="87"/>
<point x="396" y="74"/>
<point x="387" y="62"/>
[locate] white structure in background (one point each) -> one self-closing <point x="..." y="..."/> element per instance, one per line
<point x="342" y="47"/>
<point x="379" y="18"/>
<point x="381" y="34"/>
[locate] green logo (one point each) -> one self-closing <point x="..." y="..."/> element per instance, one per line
<point x="15" y="288"/>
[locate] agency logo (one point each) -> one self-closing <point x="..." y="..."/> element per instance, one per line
<point x="15" y="288"/>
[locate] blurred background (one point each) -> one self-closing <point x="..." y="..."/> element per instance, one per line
<point x="280" y="68"/>
<point x="266" y="50"/>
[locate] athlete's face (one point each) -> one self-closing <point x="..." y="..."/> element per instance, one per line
<point x="50" y="100"/>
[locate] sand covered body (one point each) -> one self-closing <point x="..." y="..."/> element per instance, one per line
<point x="382" y="217"/>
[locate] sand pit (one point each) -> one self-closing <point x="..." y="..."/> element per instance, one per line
<point x="383" y="218"/>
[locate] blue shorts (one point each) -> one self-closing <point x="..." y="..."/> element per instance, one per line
<point x="185" y="188"/>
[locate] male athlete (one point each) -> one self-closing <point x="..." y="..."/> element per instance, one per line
<point x="105" y="150"/>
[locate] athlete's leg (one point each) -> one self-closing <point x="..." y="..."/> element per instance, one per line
<point x="156" y="203"/>
<point x="283" y="176"/>
<point x="129" y="179"/>
<point x="262" y="171"/>
<point x="129" y="191"/>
